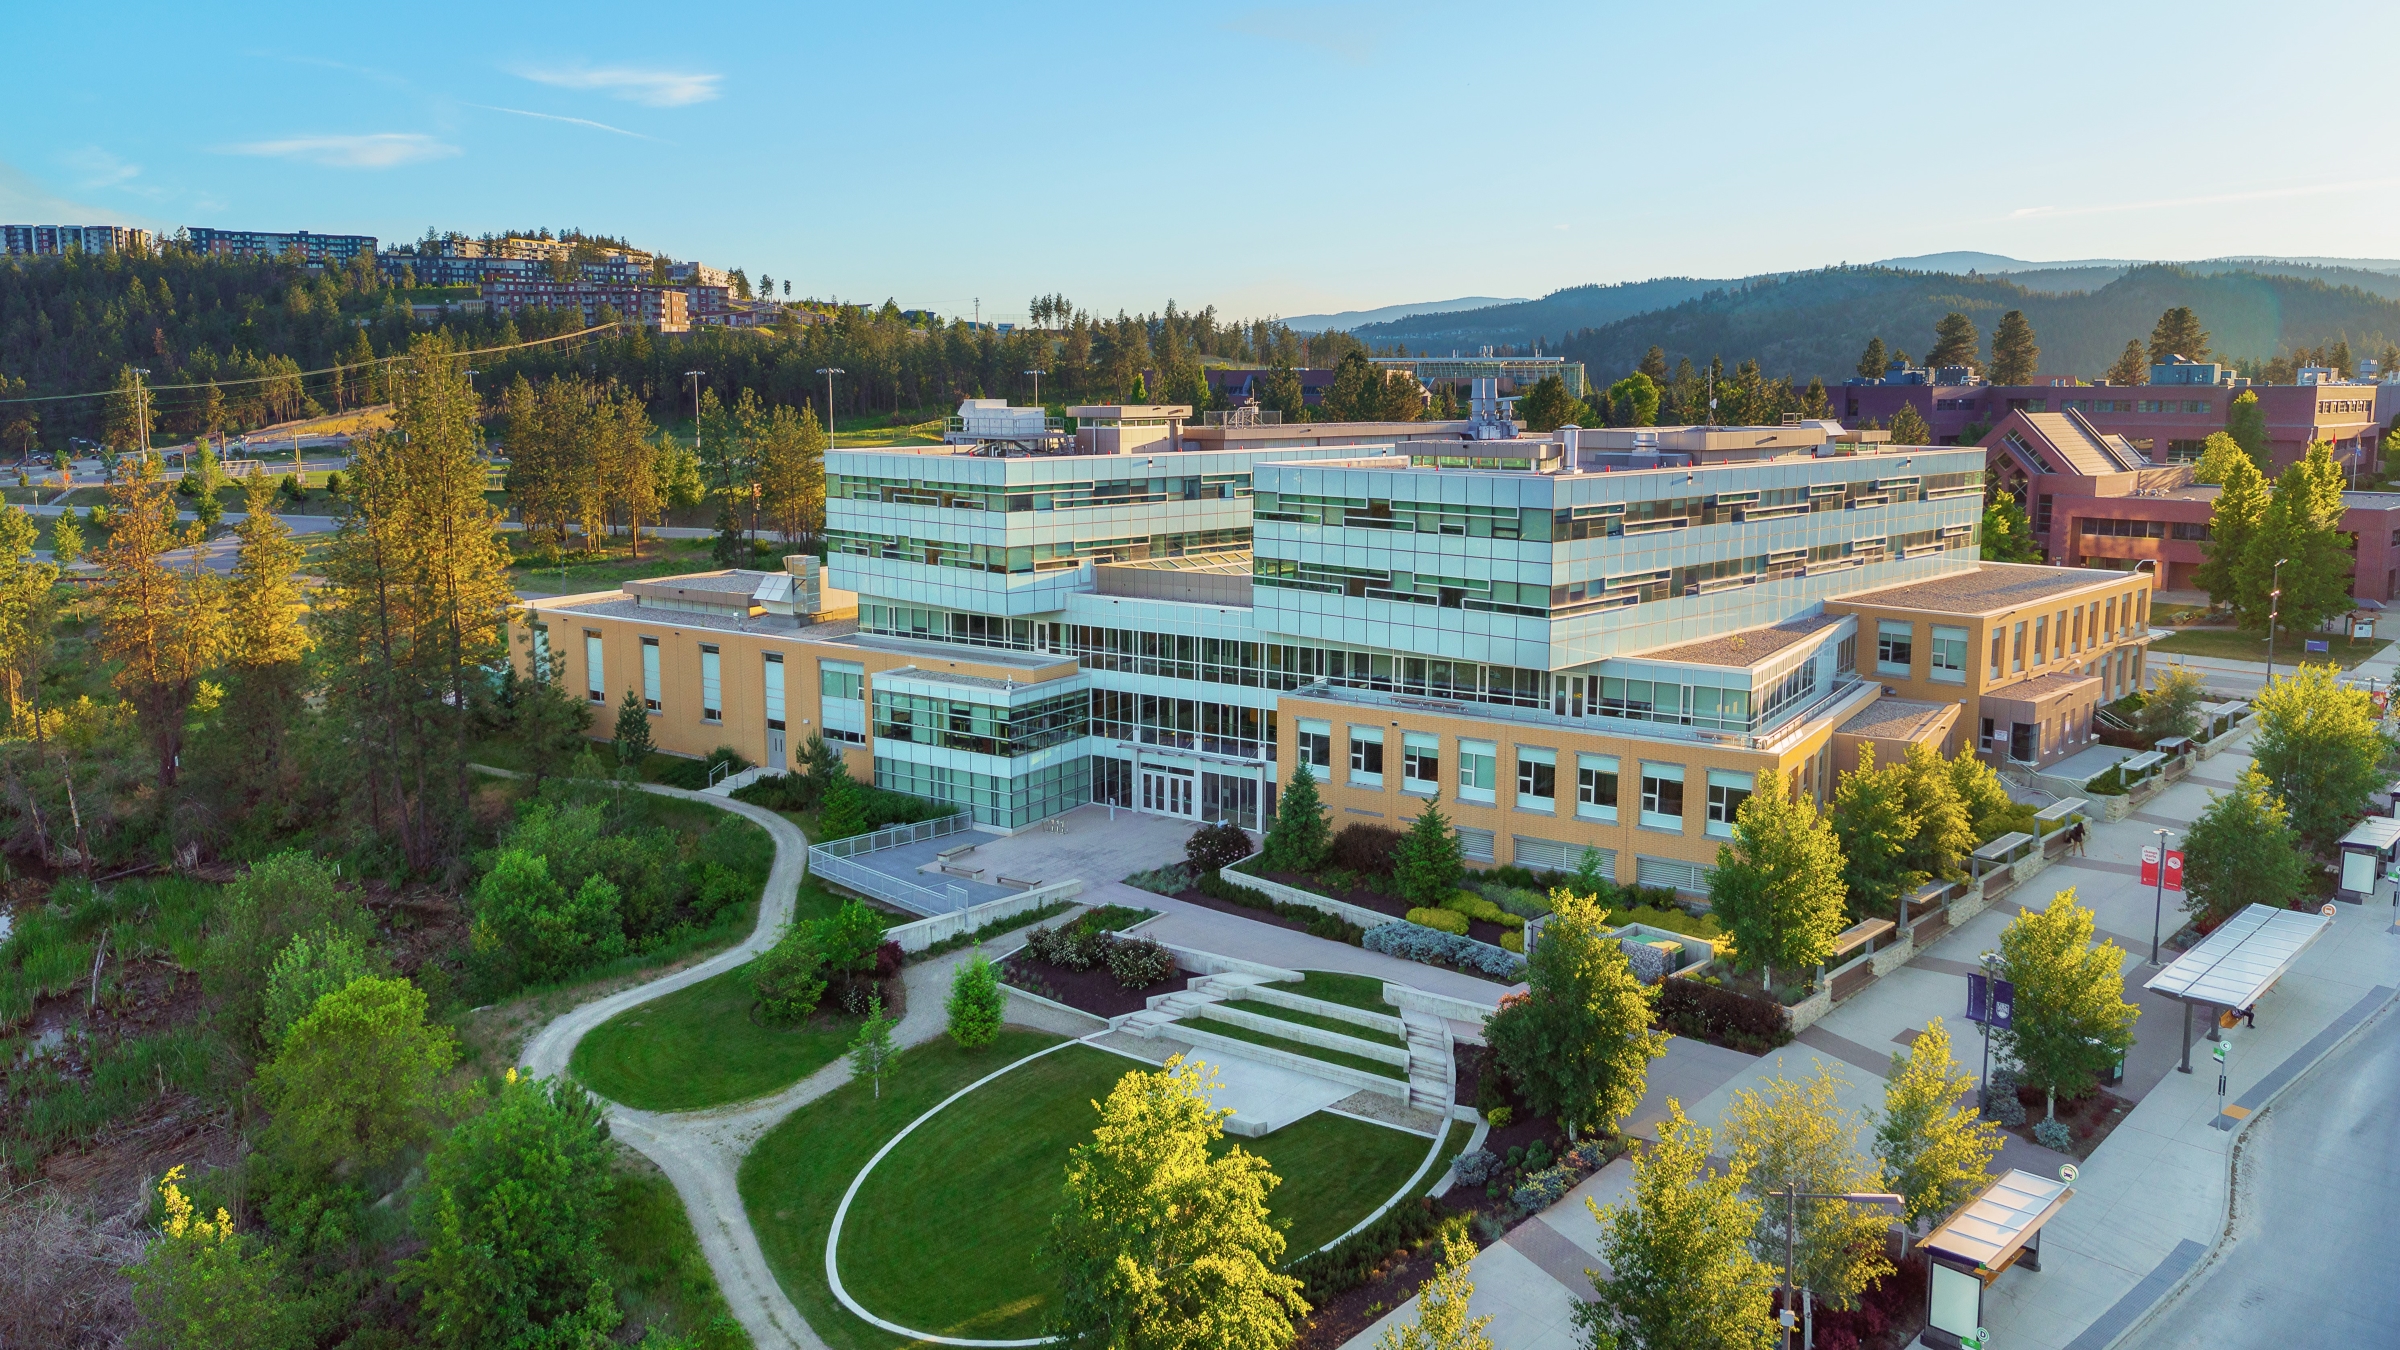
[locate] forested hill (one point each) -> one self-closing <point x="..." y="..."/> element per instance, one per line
<point x="1816" y="323"/>
<point x="1525" y="321"/>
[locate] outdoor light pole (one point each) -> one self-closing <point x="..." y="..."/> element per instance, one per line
<point x="829" y="372"/>
<point x="2158" y="903"/>
<point x="1991" y="979"/>
<point x="1037" y="385"/>
<point x="2274" y="609"/>
<point x="1792" y="1196"/>
<point x="694" y="377"/>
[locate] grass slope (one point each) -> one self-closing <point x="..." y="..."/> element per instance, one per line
<point x="1351" y="991"/>
<point x="1317" y="1020"/>
<point x="943" y="1234"/>
<point x="1317" y="1052"/>
<point x="663" y="1281"/>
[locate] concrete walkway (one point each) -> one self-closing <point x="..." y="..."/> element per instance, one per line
<point x="2151" y="1200"/>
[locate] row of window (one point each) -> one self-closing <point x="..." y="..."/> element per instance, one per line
<point x="1038" y="497"/>
<point x="2056" y="636"/>
<point x="980" y="728"/>
<point x="712" y="675"/>
<point x="2195" y="531"/>
<point x="1659" y="805"/>
<point x="1005" y="802"/>
<point x="1896" y="651"/>
<point x="1183" y="724"/>
<point x="1021" y="559"/>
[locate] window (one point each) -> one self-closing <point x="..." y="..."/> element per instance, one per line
<point x="1316" y="745"/>
<point x="1420" y="763"/>
<point x="2058" y="637"/>
<point x="841" y="679"/>
<point x="1895" y="647"/>
<point x="2017" y="648"/>
<point x="1998" y="638"/>
<point x="1662" y="796"/>
<point x="2108" y="620"/>
<point x="841" y="690"/>
<point x="1596" y="787"/>
<point x="1845" y="655"/>
<point x="1726" y="793"/>
<point x="541" y="651"/>
<point x="774" y="691"/>
<point x="1537" y="779"/>
<point x="1949" y="655"/>
<point x="1366" y="756"/>
<point x="2075" y="637"/>
<point x="594" y="687"/>
<point x="1474" y="845"/>
<point x="2041" y="641"/>
<point x="1478" y="772"/>
<point x="712" y="685"/>
<point x="650" y="695"/>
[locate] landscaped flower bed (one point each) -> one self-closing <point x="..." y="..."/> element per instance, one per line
<point x="1083" y="966"/>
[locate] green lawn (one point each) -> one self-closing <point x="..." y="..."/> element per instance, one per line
<point x="943" y="1234"/>
<point x="699" y="1045"/>
<point x="663" y="1281"/>
<point x="1351" y="991"/>
<point x="1317" y="1020"/>
<point x="2232" y="644"/>
<point x="660" y="558"/>
<point x="1377" y="1067"/>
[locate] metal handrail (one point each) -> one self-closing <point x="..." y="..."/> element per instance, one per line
<point x="893" y="836"/>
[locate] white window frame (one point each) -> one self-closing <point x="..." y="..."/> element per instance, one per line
<point x="1315" y="746"/>
<point x="1421" y="750"/>
<point x="1531" y="760"/>
<point x="1727" y="790"/>
<point x="1654" y="778"/>
<point x="1954" y="670"/>
<point x="1888" y="632"/>
<point x="1478" y="772"/>
<point x="773" y="677"/>
<point x="1590" y="771"/>
<point x="651" y="698"/>
<point x="595" y="669"/>
<point x="712" y="684"/>
<point x="1361" y="738"/>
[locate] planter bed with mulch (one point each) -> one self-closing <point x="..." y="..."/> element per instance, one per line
<point x="1095" y="991"/>
<point x="1478" y="929"/>
<point x="2090" y="1117"/>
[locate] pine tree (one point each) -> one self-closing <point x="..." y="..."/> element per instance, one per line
<point x="2014" y="355"/>
<point x="1908" y="427"/>
<point x="2241" y="851"/>
<point x="1298" y="839"/>
<point x="2178" y="333"/>
<point x="2130" y="368"/>
<point x="2234" y="520"/>
<point x="2008" y="532"/>
<point x="1955" y="343"/>
<point x="633" y="731"/>
<point x="265" y="641"/>
<point x="1164" y="1240"/>
<point x="1797" y="1134"/>
<point x="1677" y="1252"/>
<point x="1778" y="885"/>
<point x="1874" y="361"/>
<point x="1579" y="1042"/>
<point x="66" y="538"/>
<point x="2070" y="1021"/>
<point x="844" y="813"/>
<point x="1428" y="859"/>
<point x="2246" y="423"/>
<point x="164" y="627"/>
<point x="1935" y="1155"/>
<point x="975" y="1003"/>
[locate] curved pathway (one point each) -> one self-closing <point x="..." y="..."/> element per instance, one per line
<point x="701" y="1151"/>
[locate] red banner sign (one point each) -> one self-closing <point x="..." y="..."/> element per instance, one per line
<point x="2174" y="868"/>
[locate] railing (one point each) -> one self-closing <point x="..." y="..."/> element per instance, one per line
<point x="916" y="937"/>
<point x="892" y="837"/>
<point x="888" y="888"/>
<point x="719" y="772"/>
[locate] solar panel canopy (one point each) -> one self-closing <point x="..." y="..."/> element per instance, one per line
<point x="2232" y="966"/>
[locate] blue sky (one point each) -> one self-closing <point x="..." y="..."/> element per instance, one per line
<point x="1279" y="159"/>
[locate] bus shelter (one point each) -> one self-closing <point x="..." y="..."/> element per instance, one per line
<point x="2368" y="852"/>
<point x="2000" y="1228"/>
<point x="2236" y="965"/>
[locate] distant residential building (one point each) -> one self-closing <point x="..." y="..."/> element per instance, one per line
<point x="1237" y="385"/>
<point x="40" y="240"/>
<point x="2167" y="420"/>
<point x="317" y="250"/>
<point x="469" y="262"/>
<point x="699" y="274"/>
<point x="1516" y="374"/>
<point x="658" y="307"/>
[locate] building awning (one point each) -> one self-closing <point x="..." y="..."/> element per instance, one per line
<point x="2233" y="966"/>
<point x="1993" y="1227"/>
<point x="2375" y="834"/>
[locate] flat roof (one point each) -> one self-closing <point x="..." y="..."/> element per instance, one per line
<point x="2041" y="686"/>
<point x="1996" y="1223"/>
<point x="1894" y="719"/>
<point x="1989" y="588"/>
<point x="2376" y="832"/>
<point x="982" y="656"/>
<point x="1747" y="647"/>
<point x="618" y="606"/>
<point x="2232" y="966"/>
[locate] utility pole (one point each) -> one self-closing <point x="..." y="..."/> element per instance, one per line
<point x="141" y="408"/>
<point x="1037" y="386"/>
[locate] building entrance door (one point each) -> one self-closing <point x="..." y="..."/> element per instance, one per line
<point x="1167" y="791"/>
<point x="1234" y="797"/>
<point x="775" y="759"/>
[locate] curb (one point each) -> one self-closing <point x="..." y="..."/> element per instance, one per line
<point x="2233" y="1155"/>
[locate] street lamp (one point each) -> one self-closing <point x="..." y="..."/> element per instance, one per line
<point x="141" y="402"/>
<point x="829" y="372"/>
<point x="1037" y="385"/>
<point x="1990" y="962"/>
<point x="2274" y="609"/>
<point x="694" y="377"/>
<point x="2158" y="903"/>
<point x="1792" y="1196"/>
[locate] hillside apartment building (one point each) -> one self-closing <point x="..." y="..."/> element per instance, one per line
<point x="1601" y="639"/>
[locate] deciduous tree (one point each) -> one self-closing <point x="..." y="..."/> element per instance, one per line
<point x="162" y="626"/>
<point x="2301" y="527"/>
<point x="1442" y="1322"/>
<point x="1945" y="832"/>
<point x="1164" y="1243"/>
<point x="1778" y="885"/>
<point x="203" y="1286"/>
<point x="2070" y="1021"/>
<point x="1578" y="1041"/>
<point x="2218" y="454"/>
<point x="1633" y="401"/>
<point x="355" y="1079"/>
<point x="308" y="968"/>
<point x="2242" y="851"/>
<point x="2014" y="354"/>
<point x="2319" y="746"/>
<point x="2008" y="532"/>
<point x="1677" y="1251"/>
<point x="1935" y="1154"/>
<point x="1871" y="818"/>
<point x="2173" y="706"/>
<point x="1797" y="1135"/>
<point x="871" y="1049"/>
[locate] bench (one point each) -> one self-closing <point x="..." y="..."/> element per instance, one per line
<point x="954" y="851"/>
<point x="1007" y="880"/>
<point x="972" y="873"/>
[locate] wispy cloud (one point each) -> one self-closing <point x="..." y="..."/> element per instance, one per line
<point x="2214" y="199"/>
<point x="655" y="88"/>
<point x="572" y="121"/>
<point x="377" y="150"/>
<point x="96" y="168"/>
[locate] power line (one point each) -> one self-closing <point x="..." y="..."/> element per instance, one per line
<point x="327" y="370"/>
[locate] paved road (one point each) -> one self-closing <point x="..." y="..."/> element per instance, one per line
<point x="2312" y="1261"/>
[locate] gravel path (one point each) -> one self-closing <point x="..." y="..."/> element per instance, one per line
<point x="701" y="1151"/>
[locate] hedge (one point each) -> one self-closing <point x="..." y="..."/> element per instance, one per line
<point x="1416" y="942"/>
<point x="1735" y="1020"/>
<point x="1318" y="922"/>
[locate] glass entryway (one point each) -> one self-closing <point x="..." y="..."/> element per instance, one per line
<point x="1167" y="791"/>
<point x="1234" y="797"/>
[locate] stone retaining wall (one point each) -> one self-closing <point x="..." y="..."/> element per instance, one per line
<point x="1293" y="895"/>
<point x="917" y="936"/>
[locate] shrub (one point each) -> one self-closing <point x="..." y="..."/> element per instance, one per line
<point x="1723" y="1016"/>
<point x="2000" y="1098"/>
<point x="849" y="938"/>
<point x="692" y="774"/>
<point x="2053" y="1134"/>
<point x="1216" y="847"/>
<point x="1591" y="1155"/>
<point x="1416" y="942"/>
<point x="1447" y="920"/>
<point x="1138" y="963"/>
<point x="1513" y="942"/>
<point x="1476" y="907"/>
<point x="310" y="967"/>
<point x="526" y="921"/>
<point x="1355" y="1259"/>
<point x="789" y="977"/>
<point x="1500" y="1117"/>
<point x="1514" y="900"/>
<point x="975" y="1004"/>
<point x="1319" y="923"/>
<point x="1474" y="1167"/>
<point x="1365" y="849"/>
<point x="1070" y="948"/>
<point x="1165" y="880"/>
<point x="1540" y="1190"/>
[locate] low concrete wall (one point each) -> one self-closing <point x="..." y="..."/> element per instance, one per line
<point x="2113" y="806"/>
<point x="1283" y="998"/>
<point x="1209" y="963"/>
<point x="1203" y="1039"/>
<point x="1050" y="1009"/>
<point x="1305" y="1035"/>
<point x="917" y="936"/>
<point x="1293" y="895"/>
<point x="1697" y="951"/>
<point x="1447" y="1006"/>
